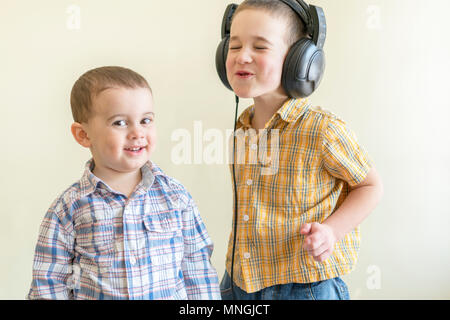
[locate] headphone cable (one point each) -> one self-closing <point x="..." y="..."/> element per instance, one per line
<point x="235" y="197"/>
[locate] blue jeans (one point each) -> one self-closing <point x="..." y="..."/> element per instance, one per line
<point x="332" y="289"/>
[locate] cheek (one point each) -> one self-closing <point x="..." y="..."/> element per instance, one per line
<point x="271" y="63"/>
<point x="271" y="68"/>
<point x="113" y="141"/>
<point x="152" y="136"/>
<point x="229" y="64"/>
<point x="152" y="139"/>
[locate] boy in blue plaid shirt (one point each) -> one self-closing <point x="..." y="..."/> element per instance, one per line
<point x="125" y="230"/>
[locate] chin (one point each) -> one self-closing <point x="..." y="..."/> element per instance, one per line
<point x="244" y="93"/>
<point x="245" y="96"/>
<point x="132" y="166"/>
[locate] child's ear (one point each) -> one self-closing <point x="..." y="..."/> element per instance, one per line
<point x="80" y="134"/>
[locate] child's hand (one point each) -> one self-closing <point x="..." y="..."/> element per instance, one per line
<point x="319" y="240"/>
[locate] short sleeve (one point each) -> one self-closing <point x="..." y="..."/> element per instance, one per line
<point x="343" y="157"/>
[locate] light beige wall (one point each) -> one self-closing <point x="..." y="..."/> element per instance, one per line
<point x="387" y="76"/>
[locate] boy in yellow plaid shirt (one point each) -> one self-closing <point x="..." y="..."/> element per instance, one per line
<point x="297" y="227"/>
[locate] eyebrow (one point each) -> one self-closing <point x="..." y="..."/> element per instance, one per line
<point x="124" y="115"/>
<point x="257" y="38"/>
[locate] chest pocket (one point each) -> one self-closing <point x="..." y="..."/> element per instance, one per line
<point x="94" y="241"/>
<point x="164" y="238"/>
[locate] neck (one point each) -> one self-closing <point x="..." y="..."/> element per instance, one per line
<point x="265" y="108"/>
<point x="124" y="182"/>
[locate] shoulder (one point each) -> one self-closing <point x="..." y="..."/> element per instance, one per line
<point x="322" y="121"/>
<point x="314" y="123"/>
<point x="64" y="206"/>
<point x="319" y="113"/>
<point x="171" y="186"/>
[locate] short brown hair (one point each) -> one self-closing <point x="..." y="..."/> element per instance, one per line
<point x="296" y="27"/>
<point x="95" y="81"/>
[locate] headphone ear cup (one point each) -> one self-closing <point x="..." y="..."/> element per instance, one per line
<point x="221" y="59"/>
<point x="303" y="69"/>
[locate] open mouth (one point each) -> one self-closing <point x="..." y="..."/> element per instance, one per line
<point x="134" y="149"/>
<point x="244" y="74"/>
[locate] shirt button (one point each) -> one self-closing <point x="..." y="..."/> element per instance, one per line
<point x="249" y="182"/>
<point x="247" y="255"/>
<point x="254" y="146"/>
<point x="133" y="261"/>
<point x="246" y="217"/>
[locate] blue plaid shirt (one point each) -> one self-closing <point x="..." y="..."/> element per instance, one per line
<point x="95" y="243"/>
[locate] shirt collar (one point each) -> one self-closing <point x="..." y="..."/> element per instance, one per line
<point x="293" y="109"/>
<point x="290" y="111"/>
<point x="246" y="118"/>
<point x="147" y="178"/>
<point x="89" y="182"/>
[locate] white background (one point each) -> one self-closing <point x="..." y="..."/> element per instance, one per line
<point x="387" y="76"/>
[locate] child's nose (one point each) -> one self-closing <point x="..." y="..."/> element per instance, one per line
<point x="244" y="56"/>
<point x="136" y="132"/>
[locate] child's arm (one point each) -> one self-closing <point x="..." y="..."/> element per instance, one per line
<point x="200" y="277"/>
<point x="346" y="160"/>
<point x="52" y="267"/>
<point x="359" y="203"/>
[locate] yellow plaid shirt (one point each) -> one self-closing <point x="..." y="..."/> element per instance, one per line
<point x="297" y="170"/>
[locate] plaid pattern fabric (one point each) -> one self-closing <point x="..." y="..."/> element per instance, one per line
<point x="95" y="243"/>
<point x="298" y="170"/>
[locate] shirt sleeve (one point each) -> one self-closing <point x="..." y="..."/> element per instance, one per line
<point x="199" y="275"/>
<point x="343" y="157"/>
<point x="52" y="265"/>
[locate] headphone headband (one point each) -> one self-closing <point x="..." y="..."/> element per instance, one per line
<point x="302" y="10"/>
<point x="227" y="17"/>
<point x="314" y="19"/>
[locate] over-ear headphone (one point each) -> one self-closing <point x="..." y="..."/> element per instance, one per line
<point x="305" y="62"/>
